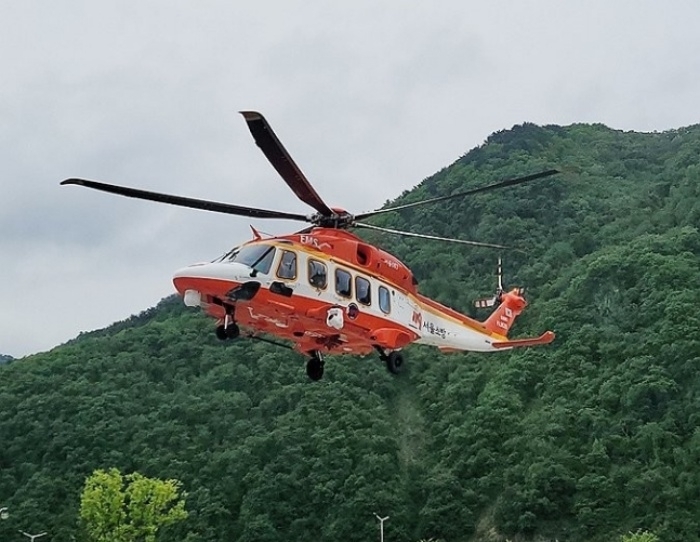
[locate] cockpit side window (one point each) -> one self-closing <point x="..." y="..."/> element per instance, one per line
<point x="343" y="283"/>
<point x="318" y="274"/>
<point x="258" y="257"/>
<point x="287" y="268"/>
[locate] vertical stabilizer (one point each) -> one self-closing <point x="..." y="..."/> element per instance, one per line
<point x="511" y="305"/>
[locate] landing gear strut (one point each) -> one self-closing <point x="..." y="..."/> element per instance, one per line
<point x="314" y="367"/>
<point x="229" y="329"/>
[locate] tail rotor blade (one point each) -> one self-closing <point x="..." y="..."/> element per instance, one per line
<point x="485" y="303"/>
<point x="499" y="273"/>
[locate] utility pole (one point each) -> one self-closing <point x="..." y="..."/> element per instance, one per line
<point x="381" y="526"/>
<point x="32" y="537"/>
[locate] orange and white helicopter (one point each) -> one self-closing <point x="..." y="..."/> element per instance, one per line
<point x="326" y="290"/>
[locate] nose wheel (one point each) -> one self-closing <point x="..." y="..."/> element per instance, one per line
<point x="314" y="367"/>
<point x="228" y="330"/>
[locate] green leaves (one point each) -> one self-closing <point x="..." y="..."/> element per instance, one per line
<point x="131" y="508"/>
<point x="102" y="507"/>
<point x="639" y="536"/>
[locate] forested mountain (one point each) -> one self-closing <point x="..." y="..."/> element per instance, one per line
<point x="588" y="438"/>
<point x="5" y="358"/>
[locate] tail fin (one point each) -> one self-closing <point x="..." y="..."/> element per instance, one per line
<point x="511" y="305"/>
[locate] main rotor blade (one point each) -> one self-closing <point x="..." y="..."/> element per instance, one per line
<point x="494" y="186"/>
<point x="433" y="237"/>
<point x="186" y="202"/>
<point x="280" y="159"/>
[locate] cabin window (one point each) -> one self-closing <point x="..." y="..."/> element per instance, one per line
<point x="258" y="257"/>
<point x="384" y="300"/>
<point x="318" y="274"/>
<point x="287" y="268"/>
<point x="343" y="283"/>
<point x="363" y="293"/>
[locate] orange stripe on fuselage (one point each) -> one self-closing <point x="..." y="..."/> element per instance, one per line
<point x="299" y="319"/>
<point x="267" y="308"/>
<point x="443" y="311"/>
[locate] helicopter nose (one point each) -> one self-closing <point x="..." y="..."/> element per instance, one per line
<point x="189" y="271"/>
<point x="184" y="278"/>
<point x="208" y="279"/>
<point x="212" y="270"/>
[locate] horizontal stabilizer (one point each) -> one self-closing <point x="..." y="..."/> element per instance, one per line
<point x="546" y="338"/>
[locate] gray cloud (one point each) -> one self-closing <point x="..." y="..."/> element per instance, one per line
<point x="370" y="98"/>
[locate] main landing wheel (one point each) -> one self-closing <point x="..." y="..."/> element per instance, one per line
<point x="394" y="362"/>
<point x="314" y="367"/>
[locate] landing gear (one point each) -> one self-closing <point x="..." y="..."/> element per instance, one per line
<point x="314" y="367"/>
<point x="229" y="329"/>
<point x="394" y="360"/>
<point x="221" y="332"/>
<point x="232" y="331"/>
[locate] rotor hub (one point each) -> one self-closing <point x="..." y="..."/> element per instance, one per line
<point x="339" y="219"/>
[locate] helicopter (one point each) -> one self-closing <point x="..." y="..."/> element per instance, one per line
<point x="324" y="290"/>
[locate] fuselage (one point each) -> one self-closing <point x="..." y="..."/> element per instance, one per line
<point x="327" y="290"/>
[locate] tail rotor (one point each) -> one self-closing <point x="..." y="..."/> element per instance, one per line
<point x="509" y="305"/>
<point x="491" y="301"/>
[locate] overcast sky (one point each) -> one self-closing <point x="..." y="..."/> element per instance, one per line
<point x="369" y="97"/>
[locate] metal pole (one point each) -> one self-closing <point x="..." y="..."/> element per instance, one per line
<point x="381" y="526"/>
<point x="32" y="537"/>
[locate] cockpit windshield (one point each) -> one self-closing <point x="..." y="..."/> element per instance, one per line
<point x="257" y="256"/>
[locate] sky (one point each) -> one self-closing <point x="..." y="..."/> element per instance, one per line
<point x="369" y="97"/>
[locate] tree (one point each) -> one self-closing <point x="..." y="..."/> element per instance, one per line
<point x="639" y="536"/>
<point x="592" y="436"/>
<point x="116" y="508"/>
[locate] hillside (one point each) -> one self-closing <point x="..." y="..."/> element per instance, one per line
<point x="591" y="437"/>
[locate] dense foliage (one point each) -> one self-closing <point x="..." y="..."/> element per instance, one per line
<point x="592" y="437"/>
<point x="131" y="508"/>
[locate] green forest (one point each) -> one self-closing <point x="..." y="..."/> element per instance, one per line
<point x="587" y="439"/>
